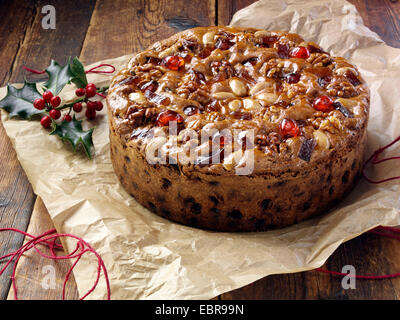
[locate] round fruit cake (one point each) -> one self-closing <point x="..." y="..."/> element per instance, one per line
<point x="299" y="115"/>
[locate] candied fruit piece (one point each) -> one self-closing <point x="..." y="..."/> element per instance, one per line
<point x="300" y="53"/>
<point x="324" y="104"/>
<point x="224" y="44"/>
<point x="292" y="78"/>
<point x="166" y="116"/>
<point x="173" y="62"/>
<point x="190" y="110"/>
<point x="289" y="128"/>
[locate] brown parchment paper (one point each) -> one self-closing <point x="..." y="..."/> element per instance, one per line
<point x="148" y="257"/>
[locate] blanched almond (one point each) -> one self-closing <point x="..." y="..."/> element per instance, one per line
<point x="235" y="105"/>
<point x="223" y="95"/>
<point x="137" y="97"/>
<point x="262" y="33"/>
<point x="231" y="160"/>
<point x="154" y="145"/>
<point x="250" y="104"/>
<point x="238" y="87"/>
<point x="167" y="52"/>
<point x="343" y="70"/>
<point x="259" y="86"/>
<point x="268" y="97"/>
<point x="208" y="38"/>
<point x="322" y="139"/>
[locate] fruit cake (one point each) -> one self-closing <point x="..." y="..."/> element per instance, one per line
<point x="301" y="115"/>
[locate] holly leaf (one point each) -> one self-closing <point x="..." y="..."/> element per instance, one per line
<point x="79" y="73"/>
<point x="19" y="102"/>
<point x="72" y="131"/>
<point x="59" y="76"/>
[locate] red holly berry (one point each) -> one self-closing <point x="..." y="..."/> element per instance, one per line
<point x="90" y="114"/>
<point x="300" y="52"/>
<point x="55" y="114"/>
<point x="77" y="107"/>
<point x="99" y="106"/>
<point x="55" y="101"/>
<point x="166" y="116"/>
<point x="47" y="95"/>
<point x="39" y="104"/>
<point x="80" y="92"/>
<point x="67" y="118"/>
<point x="46" y="122"/>
<point x="173" y="62"/>
<point x="90" y="90"/>
<point x="324" y="104"/>
<point x="289" y="128"/>
<point x="91" y="105"/>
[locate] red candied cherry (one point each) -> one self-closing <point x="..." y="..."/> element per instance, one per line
<point x="45" y="122"/>
<point x="289" y="128"/>
<point x="55" y="114"/>
<point x="67" y="118"/>
<point x="90" y="90"/>
<point x="47" y="95"/>
<point x="173" y="62"/>
<point x="166" y="116"/>
<point x="77" y="107"/>
<point x="91" y="105"/>
<point x="80" y="92"/>
<point x="324" y="104"/>
<point x="300" y="52"/>
<point x="55" y="101"/>
<point x="98" y="106"/>
<point x="39" y="104"/>
<point x="90" y="114"/>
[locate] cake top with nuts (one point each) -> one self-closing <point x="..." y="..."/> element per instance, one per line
<point x="298" y="101"/>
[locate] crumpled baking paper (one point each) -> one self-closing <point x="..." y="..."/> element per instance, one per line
<point x="148" y="257"/>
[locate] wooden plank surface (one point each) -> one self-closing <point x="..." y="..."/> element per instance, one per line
<point x="132" y="26"/>
<point x="26" y="43"/>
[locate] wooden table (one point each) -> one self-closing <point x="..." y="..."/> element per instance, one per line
<point x="99" y="29"/>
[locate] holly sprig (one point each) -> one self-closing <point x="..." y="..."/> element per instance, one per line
<point x="27" y="103"/>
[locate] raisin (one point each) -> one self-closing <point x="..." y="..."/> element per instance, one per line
<point x="149" y="86"/>
<point x="306" y="149"/>
<point x="166" y="183"/>
<point x="190" y="110"/>
<point x="235" y="214"/>
<point x="265" y="204"/>
<point x="292" y="78"/>
<point x="214" y="200"/>
<point x="283" y="50"/>
<point x="224" y="44"/>
<point x="343" y="109"/>
<point x="345" y="177"/>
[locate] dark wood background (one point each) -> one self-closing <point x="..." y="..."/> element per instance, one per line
<point x="100" y="29"/>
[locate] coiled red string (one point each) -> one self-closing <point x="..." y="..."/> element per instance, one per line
<point x="390" y="232"/>
<point x="49" y="238"/>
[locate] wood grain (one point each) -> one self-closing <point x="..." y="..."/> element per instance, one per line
<point x="140" y="23"/>
<point x="26" y="43"/>
<point x="32" y="269"/>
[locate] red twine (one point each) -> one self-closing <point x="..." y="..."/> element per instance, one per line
<point x="390" y="232"/>
<point x="49" y="238"/>
<point x="374" y="158"/>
